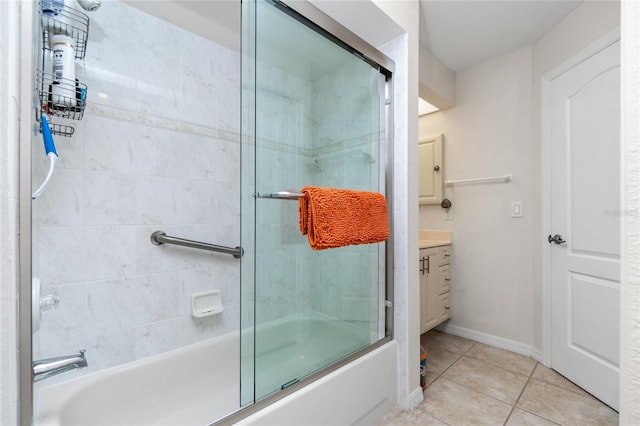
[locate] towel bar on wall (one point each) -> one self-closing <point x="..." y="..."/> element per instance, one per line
<point x="159" y="238"/>
<point x="505" y="178"/>
<point x="281" y="195"/>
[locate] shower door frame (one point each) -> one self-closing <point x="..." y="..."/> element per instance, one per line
<point x="28" y="61"/>
<point x="311" y="16"/>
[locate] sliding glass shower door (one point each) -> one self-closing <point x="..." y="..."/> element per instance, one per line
<point x="313" y="115"/>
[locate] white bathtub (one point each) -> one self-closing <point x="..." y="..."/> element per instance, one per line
<point x="199" y="384"/>
<point x="194" y="385"/>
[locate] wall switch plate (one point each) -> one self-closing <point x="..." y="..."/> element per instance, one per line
<point x="517" y="209"/>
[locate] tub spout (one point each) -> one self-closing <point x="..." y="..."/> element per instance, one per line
<point x="45" y="368"/>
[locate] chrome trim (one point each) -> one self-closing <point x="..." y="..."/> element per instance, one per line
<point x="389" y="245"/>
<point x="159" y="237"/>
<point x="281" y="195"/>
<point x="49" y="367"/>
<point x="25" y="344"/>
<point x="310" y="15"/>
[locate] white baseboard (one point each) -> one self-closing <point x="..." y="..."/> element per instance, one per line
<point x="415" y="398"/>
<point x="499" y="342"/>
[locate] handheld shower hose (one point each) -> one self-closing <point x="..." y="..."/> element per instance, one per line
<point x="50" y="149"/>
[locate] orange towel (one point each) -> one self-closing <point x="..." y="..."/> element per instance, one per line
<point x="332" y="217"/>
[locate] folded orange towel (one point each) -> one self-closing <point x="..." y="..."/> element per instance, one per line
<point x="334" y="217"/>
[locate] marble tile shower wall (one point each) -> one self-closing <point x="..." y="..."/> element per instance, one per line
<point x="346" y="143"/>
<point x="158" y="149"/>
<point x="284" y="127"/>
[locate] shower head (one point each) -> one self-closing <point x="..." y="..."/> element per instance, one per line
<point x="89" y="5"/>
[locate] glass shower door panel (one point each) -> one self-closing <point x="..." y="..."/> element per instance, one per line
<point x="317" y="122"/>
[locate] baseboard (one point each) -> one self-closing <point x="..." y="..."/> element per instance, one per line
<point x="489" y="339"/>
<point x="415" y="398"/>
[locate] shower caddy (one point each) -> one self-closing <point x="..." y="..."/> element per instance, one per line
<point x="57" y="18"/>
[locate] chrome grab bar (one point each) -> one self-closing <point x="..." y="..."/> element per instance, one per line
<point x="159" y="237"/>
<point x="281" y="195"/>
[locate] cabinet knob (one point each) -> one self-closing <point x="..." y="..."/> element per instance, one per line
<point x="436" y="168"/>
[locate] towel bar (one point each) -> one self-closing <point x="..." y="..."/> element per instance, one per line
<point x="159" y="238"/>
<point x="281" y="195"/>
<point x="505" y="178"/>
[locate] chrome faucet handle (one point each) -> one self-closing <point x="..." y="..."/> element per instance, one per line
<point x="81" y="352"/>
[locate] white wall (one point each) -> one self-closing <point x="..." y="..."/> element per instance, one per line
<point x="404" y="50"/>
<point x="488" y="133"/>
<point x="437" y="81"/>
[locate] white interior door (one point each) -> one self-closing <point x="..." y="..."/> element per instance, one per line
<point x="584" y="119"/>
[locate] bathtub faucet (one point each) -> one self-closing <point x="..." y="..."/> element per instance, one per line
<point x="45" y="368"/>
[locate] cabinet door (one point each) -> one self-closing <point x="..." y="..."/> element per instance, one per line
<point x="429" y="283"/>
<point x="430" y="170"/>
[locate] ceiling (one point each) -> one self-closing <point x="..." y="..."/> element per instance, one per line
<point x="465" y="33"/>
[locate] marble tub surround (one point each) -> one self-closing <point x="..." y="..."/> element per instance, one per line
<point x="430" y="238"/>
<point x="470" y="383"/>
<point x="158" y="149"/>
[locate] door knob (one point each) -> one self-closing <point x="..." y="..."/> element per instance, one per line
<point x="556" y="239"/>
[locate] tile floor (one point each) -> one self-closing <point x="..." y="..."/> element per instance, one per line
<point x="470" y="383"/>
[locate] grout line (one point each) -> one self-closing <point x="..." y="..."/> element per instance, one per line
<point x="451" y="365"/>
<point x="444" y="371"/>
<point x="521" y="392"/>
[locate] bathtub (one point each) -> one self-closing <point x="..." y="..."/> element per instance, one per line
<point x="199" y="384"/>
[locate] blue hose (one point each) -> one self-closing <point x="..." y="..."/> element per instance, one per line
<point x="49" y="146"/>
<point x="50" y="149"/>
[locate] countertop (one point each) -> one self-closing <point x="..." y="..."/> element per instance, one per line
<point x="429" y="238"/>
<point x="432" y="243"/>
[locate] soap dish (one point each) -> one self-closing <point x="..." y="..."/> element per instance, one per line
<point x="206" y="304"/>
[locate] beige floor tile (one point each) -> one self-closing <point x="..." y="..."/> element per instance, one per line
<point x="435" y="339"/>
<point x="505" y="359"/>
<point x="547" y="375"/>
<point x="431" y="377"/>
<point x="458" y="405"/>
<point x="438" y="360"/>
<point x="522" y="418"/>
<point x="389" y="418"/>
<point x="409" y="418"/>
<point x="488" y="379"/>
<point x="565" y="407"/>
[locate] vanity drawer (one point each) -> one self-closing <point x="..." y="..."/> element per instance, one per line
<point x="445" y="307"/>
<point x="444" y="279"/>
<point x="444" y="254"/>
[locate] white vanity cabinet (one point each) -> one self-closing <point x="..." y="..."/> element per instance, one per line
<point x="435" y="286"/>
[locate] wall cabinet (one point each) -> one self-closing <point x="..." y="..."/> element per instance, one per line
<point x="435" y="286"/>
<point x="430" y="170"/>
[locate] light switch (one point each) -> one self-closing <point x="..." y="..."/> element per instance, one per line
<point x="517" y="209"/>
